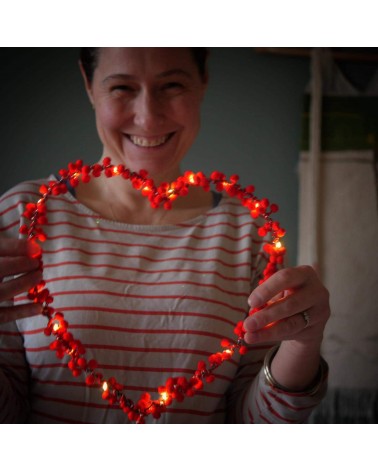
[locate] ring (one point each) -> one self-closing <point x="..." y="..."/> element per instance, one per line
<point x="306" y="317"/>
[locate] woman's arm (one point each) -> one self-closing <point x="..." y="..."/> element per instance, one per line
<point x="285" y="297"/>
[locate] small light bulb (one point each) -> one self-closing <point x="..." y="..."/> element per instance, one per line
<point x="164" y="396"/>
<point x="191" y="178"/>
<point x="105" y="386"/>
<point x="56" y="327"/>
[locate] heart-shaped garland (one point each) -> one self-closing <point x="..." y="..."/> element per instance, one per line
<point x="175" y="388"/>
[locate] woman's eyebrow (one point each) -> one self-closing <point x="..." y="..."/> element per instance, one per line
<point x="164" y="74"/>
<point x="119" y="77"/>
<point x="174" y="72"/>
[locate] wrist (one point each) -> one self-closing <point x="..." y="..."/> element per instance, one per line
<point x="295" y="365"/>
<point x="307" y="388"/>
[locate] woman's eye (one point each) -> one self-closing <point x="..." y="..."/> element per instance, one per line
<point x="122" y="88"/>
<point x="174" y="86"/>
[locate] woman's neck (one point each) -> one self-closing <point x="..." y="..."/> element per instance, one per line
<point x="116" y="199"/>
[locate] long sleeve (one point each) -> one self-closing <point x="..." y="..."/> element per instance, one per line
<point x="14" y="369"/>
<point x="14" y="376"/>
<point x="257" y="402"/>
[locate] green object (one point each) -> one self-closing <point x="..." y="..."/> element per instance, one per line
<point x="347" y="123"/>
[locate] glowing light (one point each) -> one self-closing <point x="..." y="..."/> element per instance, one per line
<point x="112" y="392"/>
<point x="171" y="194"/>
<point x="164" y="396"/>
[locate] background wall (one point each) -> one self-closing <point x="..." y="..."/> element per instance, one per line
<point x="251" y="121"/>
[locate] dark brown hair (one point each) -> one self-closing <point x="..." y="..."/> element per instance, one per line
<point x="89" y="60"/>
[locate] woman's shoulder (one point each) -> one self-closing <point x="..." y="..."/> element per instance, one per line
<point x="24" y="191"/>
<point x="233" y="208"/>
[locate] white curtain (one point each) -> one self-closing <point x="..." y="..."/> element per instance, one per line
<point x="338" y="234"/>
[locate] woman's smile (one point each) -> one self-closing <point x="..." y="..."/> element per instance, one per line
<point x="149" y="142"/>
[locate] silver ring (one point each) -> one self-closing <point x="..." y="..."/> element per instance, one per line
<point x="306" y="317"/>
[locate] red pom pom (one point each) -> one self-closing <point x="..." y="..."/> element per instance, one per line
<point x="273" y="208"/>
<point x="243" y="350"/>
<point x="90" y="379"/>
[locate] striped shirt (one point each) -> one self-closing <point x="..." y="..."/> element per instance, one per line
<point x="147" y="302"/>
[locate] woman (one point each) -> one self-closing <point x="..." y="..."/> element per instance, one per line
<point x="152" y="292"/>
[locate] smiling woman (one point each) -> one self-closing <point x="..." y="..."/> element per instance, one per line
<point x="147" y="104"/>
<point x="150" y="292"/>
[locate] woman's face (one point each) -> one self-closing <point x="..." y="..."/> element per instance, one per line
<point x="147" y="103"/>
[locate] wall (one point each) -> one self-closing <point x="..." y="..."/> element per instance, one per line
<point x="251" y="121"/>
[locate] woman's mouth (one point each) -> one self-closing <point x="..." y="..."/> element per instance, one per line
<point x="145" y="142"/>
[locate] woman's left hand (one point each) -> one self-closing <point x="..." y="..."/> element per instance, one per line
<point x="290" y="297"/>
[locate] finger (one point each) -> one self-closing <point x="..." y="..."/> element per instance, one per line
<point x="17" y="265"/>
<point x="13" y="287"/>
<point x="282" y="330"/>
<point x="281" y="281"/>
<point x="18" y="247"/>
<point x="13" y="313"/>
<point x="285" y="307"/>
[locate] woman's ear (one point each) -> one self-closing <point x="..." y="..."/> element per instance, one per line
<point x="87" y="84"/>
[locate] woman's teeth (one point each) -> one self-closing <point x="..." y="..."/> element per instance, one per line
<point x="148" y="142"/>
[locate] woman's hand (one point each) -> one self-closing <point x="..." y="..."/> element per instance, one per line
<point x="16" y="259"/>
<point x="287" y="295"/>
<point x="296" y="310"/>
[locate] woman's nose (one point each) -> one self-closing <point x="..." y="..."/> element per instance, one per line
<point x="148" y="111"/>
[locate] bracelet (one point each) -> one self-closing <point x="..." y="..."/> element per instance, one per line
<point x="270" y="380"/>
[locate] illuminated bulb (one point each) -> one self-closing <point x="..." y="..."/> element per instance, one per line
<point x="278" y="244"/>
<point x="164" y="396"/>
<point x="105" y="386"/>
<point x="228" y="351"/>
<point x="191" y="178"/>
<point x="56" y="327"/>
<point x="115" y="170"/>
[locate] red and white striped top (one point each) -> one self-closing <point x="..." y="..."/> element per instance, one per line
<point x="148" y="302"/>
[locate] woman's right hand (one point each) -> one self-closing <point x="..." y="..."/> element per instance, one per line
<point x="16" y="259"/>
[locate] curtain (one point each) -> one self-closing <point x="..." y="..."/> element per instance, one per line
<point x="338" y="232"/>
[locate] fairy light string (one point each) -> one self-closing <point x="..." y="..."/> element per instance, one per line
<point x="65" y="344"/>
